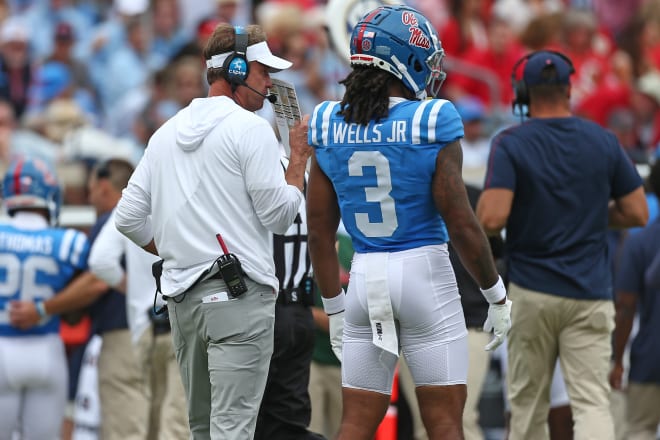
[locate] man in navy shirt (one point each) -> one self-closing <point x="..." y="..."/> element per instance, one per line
<point x="556" y="182"/>
<point x="638" y="288"/>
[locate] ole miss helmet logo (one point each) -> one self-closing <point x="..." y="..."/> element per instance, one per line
<point x="417" y="37"/>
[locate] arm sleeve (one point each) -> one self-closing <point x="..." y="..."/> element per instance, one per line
<point x="106" y="253"/>
<point x="132" y="215"/>
<point x="275" y="202"/>
<point x="626" y="178"/>
<point x="501" y="172"/>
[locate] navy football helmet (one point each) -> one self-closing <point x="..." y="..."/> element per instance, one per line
<point x="400" y="40"/>
<point x="31" y="183"/>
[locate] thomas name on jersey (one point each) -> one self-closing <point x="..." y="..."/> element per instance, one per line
<point x="18" y="242"/>
<point x="393" y="131"/>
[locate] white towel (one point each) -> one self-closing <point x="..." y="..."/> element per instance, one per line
<point x="379" y="303"/>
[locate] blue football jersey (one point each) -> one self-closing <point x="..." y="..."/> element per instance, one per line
<point x="36" y="264"/>
<point x="382" y="171"/>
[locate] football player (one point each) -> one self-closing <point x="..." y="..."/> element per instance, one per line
<point x="37" y="260"/>
<point x="388" y="162"/>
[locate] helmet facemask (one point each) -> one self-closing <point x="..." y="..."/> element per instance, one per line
<point x="436" y="75"/>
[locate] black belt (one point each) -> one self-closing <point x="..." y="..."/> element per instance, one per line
<point x="295" y="296"/>
<point x="215" y="276"/>
<point x="218" y="276"/>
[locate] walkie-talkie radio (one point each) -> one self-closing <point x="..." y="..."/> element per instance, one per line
<point x="231" y="271"/>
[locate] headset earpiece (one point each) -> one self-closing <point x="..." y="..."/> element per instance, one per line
<point x="236" y="67"/>
<point x="520" y="95"/>
<point x="520" y="89"/>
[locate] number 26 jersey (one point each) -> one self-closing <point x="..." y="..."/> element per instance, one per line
<point x="35" y="264"/>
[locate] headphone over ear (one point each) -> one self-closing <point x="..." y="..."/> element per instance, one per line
<point x="520" y="88"/>
<point x="236" y="67"/>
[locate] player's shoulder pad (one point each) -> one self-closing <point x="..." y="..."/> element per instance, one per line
<point x="73" y="247"/>
<point x="434" y="121"/>
<point x="317" y="134"/>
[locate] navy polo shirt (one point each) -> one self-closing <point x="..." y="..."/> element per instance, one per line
<point x="639" y="273"/>
<point x="108" y="312"/>
<point x="563" y="172"/>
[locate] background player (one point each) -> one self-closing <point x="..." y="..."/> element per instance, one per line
<point x="36" y="261"/>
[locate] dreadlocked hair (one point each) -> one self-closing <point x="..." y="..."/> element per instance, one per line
<point x="367" y="95"/>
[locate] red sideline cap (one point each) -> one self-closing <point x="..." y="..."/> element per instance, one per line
<point x="206" y="27"/>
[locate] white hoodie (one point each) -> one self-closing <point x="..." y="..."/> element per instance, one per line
<point x="212" y="168"/>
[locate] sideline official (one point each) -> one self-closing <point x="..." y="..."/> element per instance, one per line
<point x="212" y="174"/>
<point x="286" y="409"/>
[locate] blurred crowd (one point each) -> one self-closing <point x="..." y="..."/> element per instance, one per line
<point x="85" y="80"/>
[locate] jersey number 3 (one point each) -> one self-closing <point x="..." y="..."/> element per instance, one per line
<point x="379" y="194"/>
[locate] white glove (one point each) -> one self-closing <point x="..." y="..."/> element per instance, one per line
<point x="498" y="321"/>
<point x="334" y="307"/>
<point x="336" y="332"/>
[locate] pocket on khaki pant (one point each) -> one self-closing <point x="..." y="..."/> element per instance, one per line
<point x="602" y="319"/>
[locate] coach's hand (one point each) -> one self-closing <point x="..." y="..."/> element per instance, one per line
<point x="499" y="322"/>
<point x="298" y="140"/>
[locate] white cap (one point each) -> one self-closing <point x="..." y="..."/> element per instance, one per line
<point x="13" y="29"/>
<point x="259" y="52"/>
<point x="131" y="7"/>
<point x="649" y="84"/>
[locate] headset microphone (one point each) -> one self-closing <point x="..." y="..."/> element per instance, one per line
<point x="271" y="98"/>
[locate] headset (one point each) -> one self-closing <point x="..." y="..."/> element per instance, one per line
<point x="236" y="66"/>
<point x="520" y="89"/>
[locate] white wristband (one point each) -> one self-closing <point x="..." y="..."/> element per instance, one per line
<point x="41" y="309"/>
<point x="496" y="293"/>
<point x="335" y="304"/>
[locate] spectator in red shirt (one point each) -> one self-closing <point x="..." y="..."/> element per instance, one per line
<point x="464" y="29"/>
<point x="588" y="49"/>
<point x="497" y="60"/>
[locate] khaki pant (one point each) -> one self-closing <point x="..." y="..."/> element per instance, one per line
<point x="223" y="349"/>
<point x="578" y="331"/>
<point x="618" y="410"/>
<point x="124" y="403"/>
<point x="325" y="396"/>
<point x="479" y="361"/>
<point x="168" y="418"/>
<point x="643" y="411"/>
